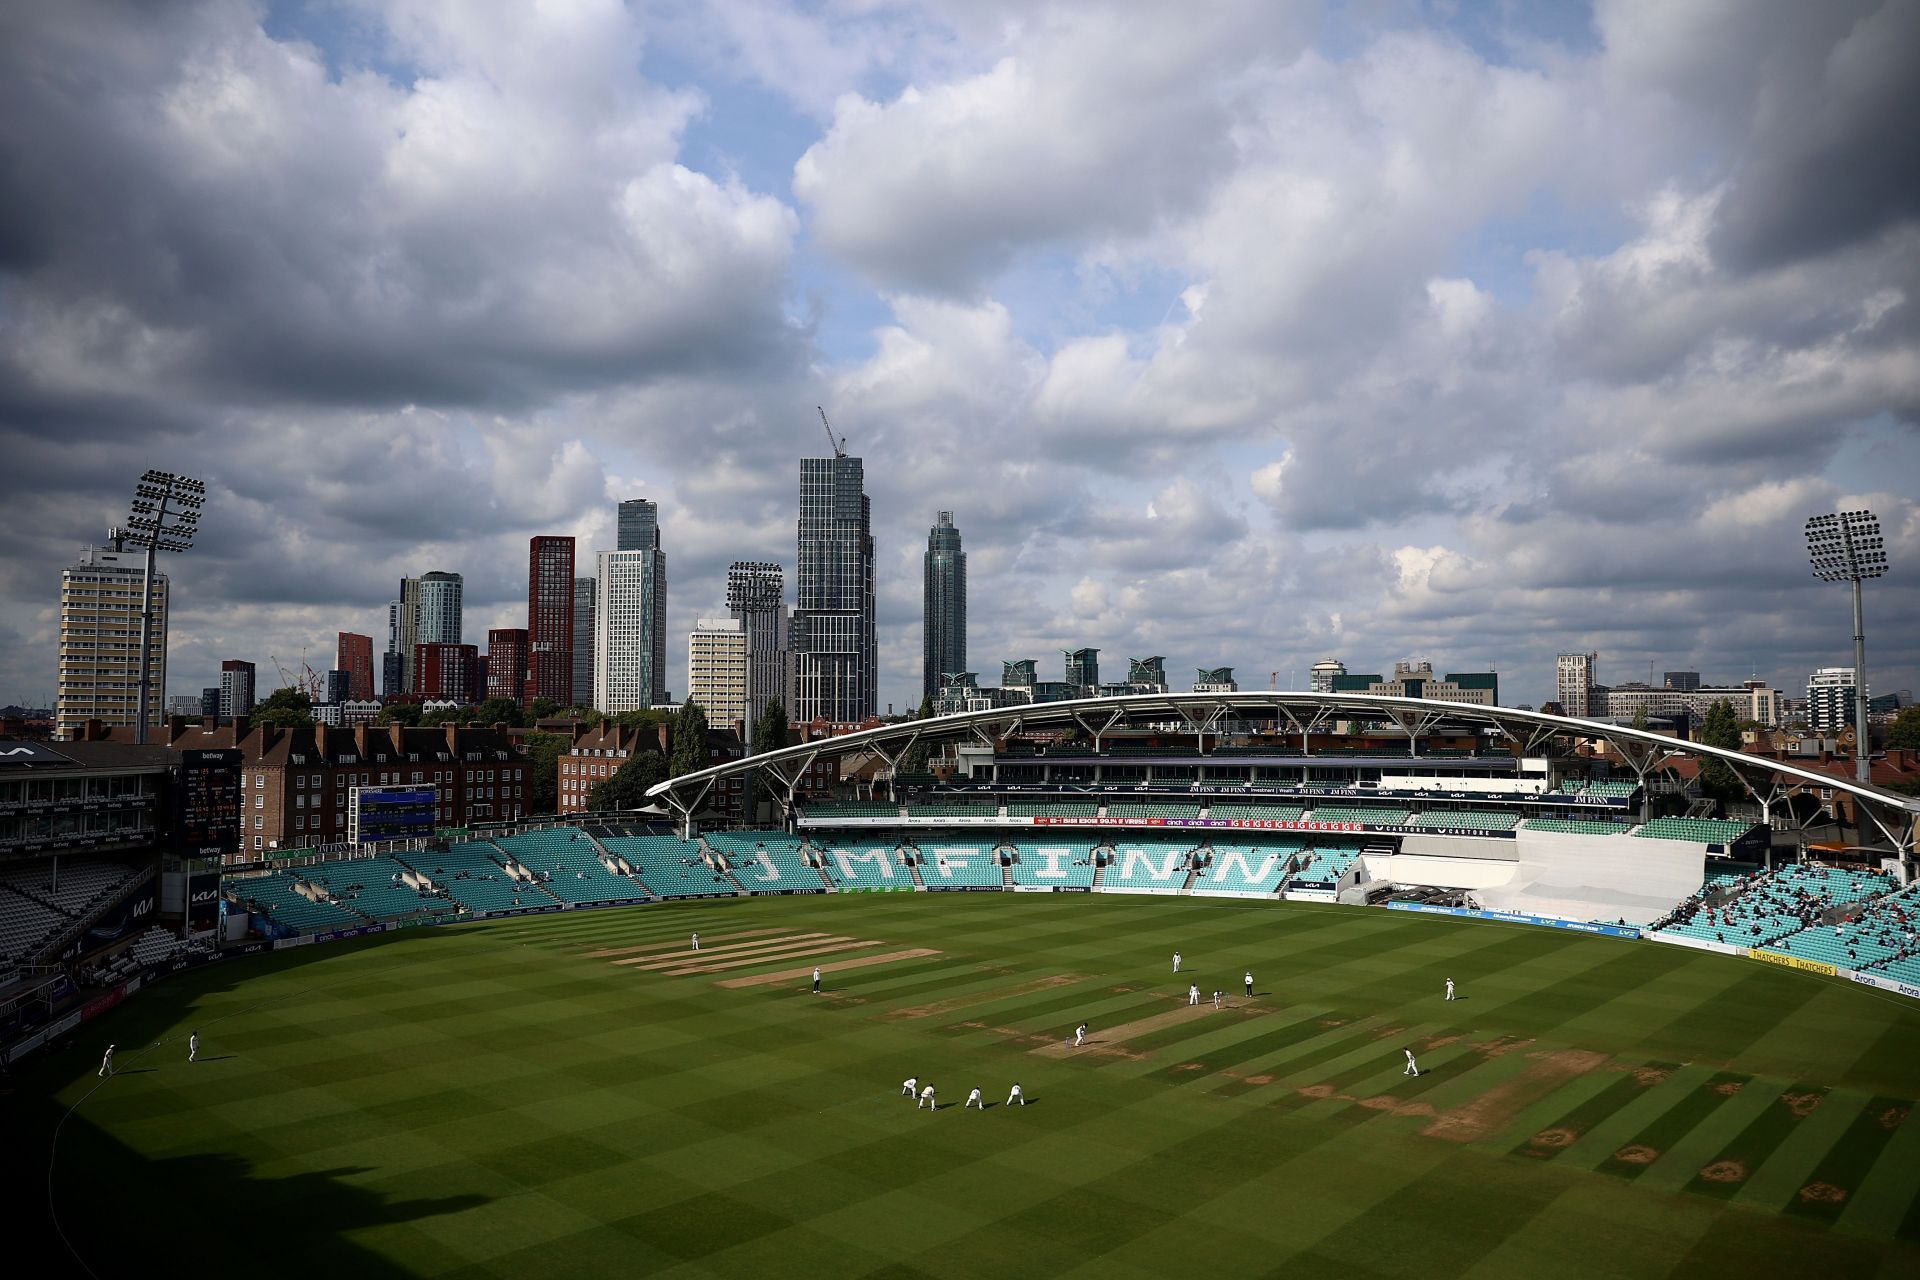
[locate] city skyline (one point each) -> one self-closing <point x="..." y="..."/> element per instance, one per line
<point x="1565" y="373"/>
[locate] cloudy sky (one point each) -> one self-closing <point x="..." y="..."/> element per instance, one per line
<point x="1245" y="333"/>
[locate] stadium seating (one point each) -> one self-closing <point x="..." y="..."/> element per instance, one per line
<point x="1574" y="826"/>
<point x="1322" y="866"/>
<point x="1462" y="819"/>
<point x="367" y="885"/>
<point x="1372" y="815"/>
<point x="1612" y="789"/>
<point x="1769" y="907"/>
<point x="1052" y="862"/>
<point x="470" y="873"/>
<point x="1261" y="812"/>
<point x="1249" y="869"/>
<point x="1702" y="830"/>
<point x="1051" y="809"/>
<point x="865" y="864"/>
<point x="568" y="865"/>
<point x="1153" y="809"/>
<point x="850" y="809"/>
<point x="744" y="850"/>
<point x="79" y="888"/>
<point x="951" y="863"/>
<point x="668" y="865"/>
<point x="952" y="809"/>
<point x="274" y="896"/>
<point x="1148" y="864"/>
<point x="26" y="926"/>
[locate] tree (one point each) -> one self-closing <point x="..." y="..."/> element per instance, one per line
<point x="286" y="707"/>
<point x="445" y="715"/>
<point x="541" y="708"/>
<point x="1720" y="729"/>
<point x="627" y="788"/>
<point x="499" y="711"/>
<point x="1640" y="717"/>
<point x="399" y="713"/>
<point x="689" y="739"/>
<point x="915" y="760"/>
<point x="1905" y="730"/>
<point x="543" y="767"/>
<point x="770" y="733"/>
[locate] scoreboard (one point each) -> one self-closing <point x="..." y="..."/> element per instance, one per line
<point x="375" y="814"/>
<point x="206" y="804"/>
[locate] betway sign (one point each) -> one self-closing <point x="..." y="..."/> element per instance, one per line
<point x="1238" y="824"/>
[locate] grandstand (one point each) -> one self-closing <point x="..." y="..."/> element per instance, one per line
<point x="566" y="863"/>
<point x="1764" y="909"/>
<point x="947" y="862"/>
<point x="1254" y="870"/>
<point x="1373" y="816"/>
<point x="978" y="810"/>
<point x="1465" y="820"/>
<point x="1576" y="826"/>
<point x="277" y="896"/>
<point x="667" y="865"/>
<point x="1700" y="830"/>
<point x="471" y="874"/>
<point x="1152" y="809"/>
<point x="1051" y="863"/>
<point x="1051" y="809"/>
<point x="377" y="888"/>
<point x="1322" y="866"/>
<point x="865" y="864"/>
<point x="1143" y="864"/>
<point x="767" y="861"/>
<point x="829" y="810"/>
<point x="1247" y="811"/>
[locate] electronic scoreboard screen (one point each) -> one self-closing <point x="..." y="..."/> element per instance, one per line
<point x="391" y="813"/>
<point x="206" y="804"/>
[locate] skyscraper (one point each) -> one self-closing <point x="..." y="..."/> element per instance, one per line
<point x="639" y="526"/>
<point x="100" y="640"/>
<point x="1083" y="671"/>
<point x="629" y="630"/>
<point x="582" y="641"/>
<point x="354" y="655"/>
<point x="943" y="642"/>
<point x="717" y="669"/>
<point x="1830" y="699"/>
<point x="756" y="596"/>
<point x="237" y="679"/>
<point x="1575" y="672"/>
<point x="831" y="638"/>
<point x="427" y="612"/>
<point x="550" y="619"/>
<point x="507" y="663"/>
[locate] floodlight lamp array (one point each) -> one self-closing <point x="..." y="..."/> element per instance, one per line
<point x="1846" y="546"/>
<point x="166" y="511"/>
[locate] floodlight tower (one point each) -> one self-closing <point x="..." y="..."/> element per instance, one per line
<point x="1847" y="547"/>
<point x="166" y="515"/>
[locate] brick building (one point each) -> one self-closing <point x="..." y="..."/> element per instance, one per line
<point x="550" y="619"/>
<point x="448" y="671"/>
<point x="507" y="663"/>
<point x="598" y="753"/>
<point x="353" y="655"/>
<point x="295" y="782"/>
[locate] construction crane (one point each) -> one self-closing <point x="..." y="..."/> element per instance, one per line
<point x="306" y="679"/>
<point x="839" y="444"/>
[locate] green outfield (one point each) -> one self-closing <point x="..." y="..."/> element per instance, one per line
<point x="579" y="1094"/>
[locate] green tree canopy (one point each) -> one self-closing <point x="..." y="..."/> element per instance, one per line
<point x="1720" y="729"/>
<point x="770" y="733"/>
<point x="689" y="739"/>
<point x="400" y="713"/>
<point x="1905" y="730"/>
<point x="288" y="707"/>
<point x="627" y="788"/>
<point x="543" y="767"/>
<point x="499" y="711"/>
<point x="915" y="761"/>
<point x="1640" y="717"/>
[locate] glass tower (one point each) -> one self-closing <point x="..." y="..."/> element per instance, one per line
<point x="832" y="634"/>
<point x="639" y="528"/>
<point x="944" y="630"/>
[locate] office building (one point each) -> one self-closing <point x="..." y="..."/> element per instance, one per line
<point x="1830" y="695"/>
<point x="582" y="641"/>
<point x="1215" y="680"/>
<point x="1083" y="671"/>
<point x="1417" y="680"/>
<point x="944" y="606"/>
<point x="354" y="655"/>
<point x="237" y="680"/>
<point x="1750" y="700"/>
<point x="340" y="684"/>
<point x="100" y="640"/>
<point x="638" y="527"/>
<point x="629" y="618"/>
<point x="550" y="620"/>
<point x="183" y="704"/>
<point x="717" y="669"/>
<point x="210" y="702"/>
<point x="1576" y="683"/>
<point x="1324" y="673"/>
<point x="1682" y="681"/>
<point x="427" y="612"/>
<point x="831" y="638"/>
<point x="756" y="596"/>
<point x="507" y="663"/>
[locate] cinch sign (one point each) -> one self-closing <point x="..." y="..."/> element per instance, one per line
<point x="1244" y="824"/>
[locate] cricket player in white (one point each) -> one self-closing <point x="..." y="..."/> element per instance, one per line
<point x="908" y="1085"/>
<point x="1016" y="1096"/>
<point x="106" y="1062"/>
<point x="926" y="1100"/>
<point x="696" y="942"/>
<point x="1193" y="994"/>
<point x="193" y="1046"/>
<point x="974" y="1100"/>
<point x="1176" y="962"/>
<point x="1217" y="1000"/>
<point x="1413" y="1068"/>
<point x="1449" y="988"/>
<point x="1249" y="984"/>
<point x="816" y="979"/>
<point x="1079" y="1037"/>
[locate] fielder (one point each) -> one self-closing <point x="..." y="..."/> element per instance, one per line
<point x="193" y="1046"/>
<point x="1218" y="1000"/>
<point x="1249" y="984"/>
<point x="1413" y="1068"/>
<point x="1016" y="1096"/>
<point x="1449" y="988"/>
<point x="909" y="1085"/>
<point x="974" y="1100"/>
<point x="926" y="1100"/>
<point x="1079" y="1037"/>
<point x="1193" y="994"/>
<point x="696" y="942"/>
<point x="106" y="1062"/>
<point x="816" y="979"/>
<point x="1176" y="962"/>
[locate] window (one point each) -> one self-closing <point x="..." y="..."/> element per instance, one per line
<point x="259" y="823"/>
<point x="256" y="842"/>
<point x="259" y="781"/>
<point x="259" y="802"/>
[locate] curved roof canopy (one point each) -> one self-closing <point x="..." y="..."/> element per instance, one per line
<point x="1768" y="781"/>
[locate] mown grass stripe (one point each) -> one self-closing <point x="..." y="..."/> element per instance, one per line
<point x="1838" y="1176"/>
<point x="1548" y="1143"/>
<point x="1730" y="1169"/>
<point x="1656" y="1139"/>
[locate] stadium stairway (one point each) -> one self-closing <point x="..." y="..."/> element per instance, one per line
<point x="913" y="869"/>
<point x="1000" y="852"/>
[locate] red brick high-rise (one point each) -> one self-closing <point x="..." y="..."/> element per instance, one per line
<point x="446" y="672"/>
<point x="507" y="663"/>
<point x="550" y="619"/>
<point x="355" y="657"/>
